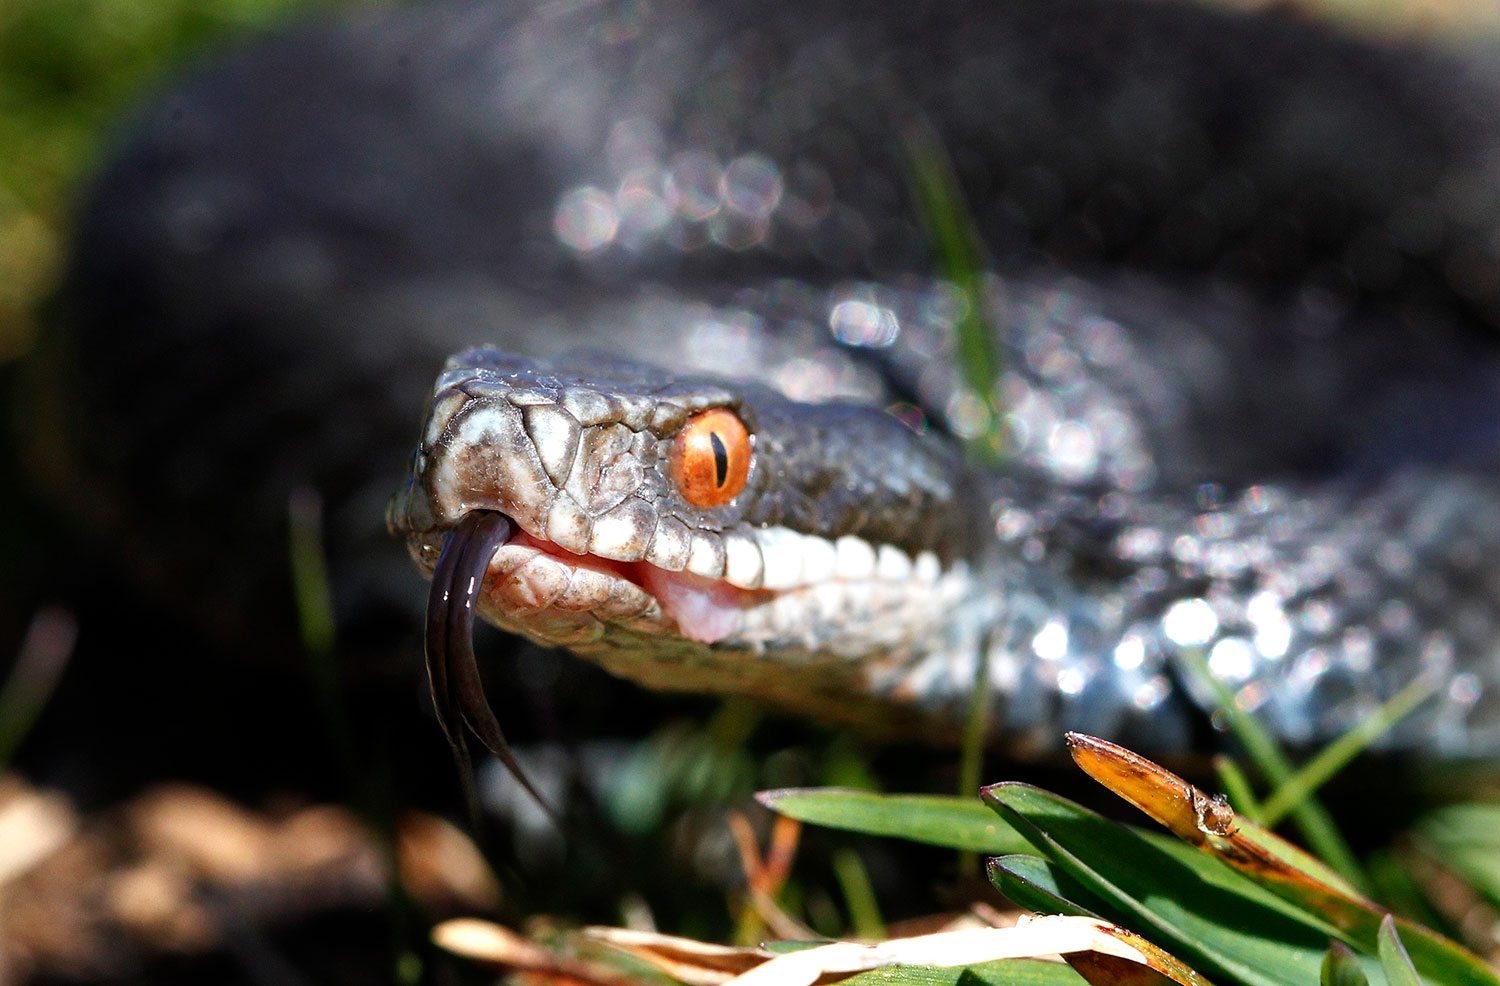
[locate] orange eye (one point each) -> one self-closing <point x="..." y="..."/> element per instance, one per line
<point x="711" y="458"/>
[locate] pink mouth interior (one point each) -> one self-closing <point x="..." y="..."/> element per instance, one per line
<point x="704" y="609"/>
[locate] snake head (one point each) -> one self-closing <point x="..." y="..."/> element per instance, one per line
<point x="829" y="538"/>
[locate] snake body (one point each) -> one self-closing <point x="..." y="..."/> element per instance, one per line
<point x="864" y="585"/>
<point x="1244" y="276"/>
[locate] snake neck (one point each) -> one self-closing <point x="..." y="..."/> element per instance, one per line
<point x="1309" y="607"/>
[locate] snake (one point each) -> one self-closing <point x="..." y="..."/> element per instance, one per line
<point x="707" y="423"/>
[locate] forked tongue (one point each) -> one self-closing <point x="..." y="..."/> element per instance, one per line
<point x="457" y="690"/>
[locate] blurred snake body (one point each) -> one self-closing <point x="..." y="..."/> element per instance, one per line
<point x="1243" y="274"/>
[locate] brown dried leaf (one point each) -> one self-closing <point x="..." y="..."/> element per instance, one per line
<point x="33" y="825"/>
<point x="440" y="865"/>
<point x="685" y="960"/>
<point x="1208" y="822"/>
<point x="485" y="941"/>
<point x="1043" y="936"/>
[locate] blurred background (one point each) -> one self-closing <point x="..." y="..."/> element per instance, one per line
<point x="181" y="807"/>
<point x="181" y="804"/>
<point x="173" y="813"/>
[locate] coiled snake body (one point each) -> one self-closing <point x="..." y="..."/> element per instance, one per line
<point x="1245" y="283"/>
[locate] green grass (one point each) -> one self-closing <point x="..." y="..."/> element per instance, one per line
<point x="69" y="71"/>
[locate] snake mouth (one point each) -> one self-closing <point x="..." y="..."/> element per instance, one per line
<point x="546" y="590"/>
<point x="486" y="556"/>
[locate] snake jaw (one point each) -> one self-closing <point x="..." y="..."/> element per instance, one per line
<point x="540" y="589"/>
<point x="460" y="580"/>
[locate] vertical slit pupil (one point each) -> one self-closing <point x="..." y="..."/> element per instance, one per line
<point x="721" y="458"/>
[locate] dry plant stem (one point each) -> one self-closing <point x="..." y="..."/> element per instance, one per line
<point x="762" y="883"/>
<point x="1316" y="825"/>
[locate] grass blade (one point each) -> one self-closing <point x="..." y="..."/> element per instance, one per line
<point x="951" y="823"/>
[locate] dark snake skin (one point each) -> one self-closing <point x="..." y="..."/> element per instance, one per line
<point x="1247" y="278"/>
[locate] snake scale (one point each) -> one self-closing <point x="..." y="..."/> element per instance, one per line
<point x="1243" y="272"/>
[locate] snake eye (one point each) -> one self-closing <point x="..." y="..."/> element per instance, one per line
<point x="711" y="458"/>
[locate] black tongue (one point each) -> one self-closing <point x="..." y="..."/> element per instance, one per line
<point x="457" y="690"/>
